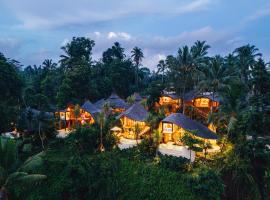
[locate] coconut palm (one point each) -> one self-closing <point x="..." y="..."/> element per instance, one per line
<point x="48" y="64"/>
<point x="10" y="174"/>
<point x="161" y="68"/>
<point x="77" y="113"/>
<point x="245" y="59"/>
<point x="137" y="131"/>
<point x="137" y="56"/>
<point x="199" y="51"/>
<point x="230" y="108"/>
<point x="186" y="67"/>
<point x="216" y="77"/>
<point x="157" y="137"/>
<point x="102" y="120"/>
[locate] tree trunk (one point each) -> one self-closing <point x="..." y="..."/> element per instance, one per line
<point x="184" y="91"/>
<point x="39" y="133"/>
<point x="101" y="146"/>
<point x="157" y="149"/>
<point x="213" y="99"/>
<point x="162" y="76"/>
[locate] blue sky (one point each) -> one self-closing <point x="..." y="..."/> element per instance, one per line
<point x="33" y="30"/>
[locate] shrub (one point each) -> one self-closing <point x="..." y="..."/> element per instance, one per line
<point x="207" y="183"/>
<point x="173" y="163"/>
<point x="147" y="148"/>
<point x="84" y="139"/>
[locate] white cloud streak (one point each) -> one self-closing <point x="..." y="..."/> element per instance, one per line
<point x="48" y="14"/>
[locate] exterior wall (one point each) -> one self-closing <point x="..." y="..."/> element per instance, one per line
<point x="170" y="105"/>
<point x="117" y="110"/>
<point x="129" y="127"/>
<point x="68" y="120"/>
<point x="201" y="107"/>
<point x="171" y="132"/>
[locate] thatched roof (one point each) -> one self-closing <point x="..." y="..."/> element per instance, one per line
<point x="173" y="96"/>
<point x="194" y="95"/>
<point x="138" y="97"/>
<point x="135" y="112"/>
<point x="99" y="104"/>
<point x="89" y="107"/>
<point x="190" y="125"/>
<point x="116" y="102"/>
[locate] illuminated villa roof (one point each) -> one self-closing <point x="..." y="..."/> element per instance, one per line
<point x="190" y="125"/>
<point x="89" y="107"/>
<point x="116" y="102"/>
<point x="193" y="95"/>
<point x="138" y="97"/>
<point x="173" y="96"/>
<point x="99" y="104"/>
<point x="135" y="112"/>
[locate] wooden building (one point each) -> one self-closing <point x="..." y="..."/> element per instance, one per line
<point x="201" y="103"/>
<point x="87" y="115"/>
<point x="170" y="102"/>
<point x="175" y="125"/>
<point x="117" y="105"/>
<point x="134" y="118"/>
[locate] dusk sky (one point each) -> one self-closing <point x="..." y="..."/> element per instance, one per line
<point x="33" y="30"/>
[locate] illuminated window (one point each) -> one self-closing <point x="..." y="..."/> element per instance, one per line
<point x="167" y="127"/>
<point x="202" y="102"/>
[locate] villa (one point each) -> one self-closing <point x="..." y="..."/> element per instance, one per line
<point x="87" y="115"/>
<point x="175" y="125"/>
<point x="133" y="120"/>
<point x="171" y="102"/>
<point x="117" y="105"/>
<point x="202" y="103"/>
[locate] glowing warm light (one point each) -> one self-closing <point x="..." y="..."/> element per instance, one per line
<point x="167" y="128"/>
<point x="202" y="102"/>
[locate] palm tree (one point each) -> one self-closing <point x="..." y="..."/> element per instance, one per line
<point x="161" y="68"/>
<point x="40" y="119"/>
<point x="199" y="50"/>
<point x="157" y="139"/>
<point x="216" y="77"/>
<point x="199" y="53"/>
<point x="230" y="109"/>
<point x="137" y="132"/>
<point x="77" y="113"/>
<point x="101" y="120"/>
<point x="245" y="59"/>
<point x="137" y="56"/>
<point x="48" y="64"/>
<point x="185" y="65"/>
<point x="9" y="171"/>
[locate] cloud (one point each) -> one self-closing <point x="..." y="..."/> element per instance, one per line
<point x="54" y="14"/>
<point x="10" y="46"/>
<point x="260" y="13"/>
<point x="158" y="47"/>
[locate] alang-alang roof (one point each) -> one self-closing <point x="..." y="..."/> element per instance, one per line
<point x="135" y="112"/>
<point x="190" y="125"/>
<point x="188" y="96"/>
<point x="116" y="102"/>
<point x="90" y="108"/>
<point x="138" y="97"/>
